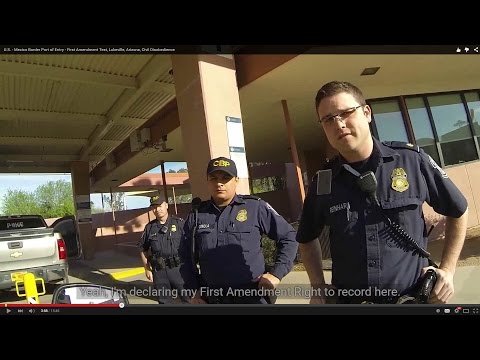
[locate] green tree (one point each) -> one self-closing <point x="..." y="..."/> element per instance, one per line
<point x="171" y="171"/>
<point x="53" y="199"/>
<point x="182" y="170"/>
<point x="19" y="202"/>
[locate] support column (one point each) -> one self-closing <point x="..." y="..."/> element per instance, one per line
<point x="293" y="149"/>
<point x="207" y="99"/>
<point x="81" y="201"/>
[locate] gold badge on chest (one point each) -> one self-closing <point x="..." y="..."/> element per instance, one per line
<point x="173" y="228"/>
<point x="399" y="180"/>
<point x="242" y="215"/>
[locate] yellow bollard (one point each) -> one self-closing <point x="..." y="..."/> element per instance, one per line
<point x="29" y="283"/>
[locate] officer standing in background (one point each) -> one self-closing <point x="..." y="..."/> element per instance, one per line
<point x="159" y="252"/>
<point x="227" y="242"/>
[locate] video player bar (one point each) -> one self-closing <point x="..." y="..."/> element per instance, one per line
<point x="121" y="309"/>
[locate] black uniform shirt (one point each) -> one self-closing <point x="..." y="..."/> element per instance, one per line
<point x="228" y="243"/>
<point x="162" y="239"/>
<point x="365" y="251"/>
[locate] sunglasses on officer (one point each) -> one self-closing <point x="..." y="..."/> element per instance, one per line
<point x="342" y="115"/>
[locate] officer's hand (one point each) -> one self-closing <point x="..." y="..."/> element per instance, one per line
<point x="317" y="299"/>
<point x="443" y="289"/>
<point x="268" y="281"/>
<point x="149" y="275"/>
<point x="319" y="295"/>
<point x="197" y="299"/>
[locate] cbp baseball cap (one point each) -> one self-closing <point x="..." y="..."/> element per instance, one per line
<point x="222" y="164"/>
<point x="157" y="200"/>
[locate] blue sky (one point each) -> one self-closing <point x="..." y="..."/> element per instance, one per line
<point x="29" y="182"/>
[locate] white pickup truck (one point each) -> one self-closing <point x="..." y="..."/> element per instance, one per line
<point x="27" y="245"/>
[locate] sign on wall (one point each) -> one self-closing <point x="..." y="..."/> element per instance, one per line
<point x="236" y="143"/>
<point x="84" y="212"/>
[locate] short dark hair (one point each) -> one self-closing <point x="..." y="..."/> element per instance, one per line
<point x="337" y="87"/>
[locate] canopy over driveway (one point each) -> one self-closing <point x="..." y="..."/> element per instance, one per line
<point x="56" y="109"/>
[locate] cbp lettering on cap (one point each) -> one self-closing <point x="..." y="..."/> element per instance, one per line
<point x="157" y="200"/>
<point x="222" y="164"/>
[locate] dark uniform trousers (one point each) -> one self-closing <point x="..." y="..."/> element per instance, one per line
<point x="168" y="283"/>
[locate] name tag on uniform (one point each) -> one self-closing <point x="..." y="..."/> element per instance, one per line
<point x="204" y="226"/>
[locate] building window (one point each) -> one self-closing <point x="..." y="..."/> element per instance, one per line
<point x="453" y="130"/>
<point x="473" y="104"/>
<point x="388" y="120"/>
<point x="438" y="123"/>
<point x="422" y="129"/>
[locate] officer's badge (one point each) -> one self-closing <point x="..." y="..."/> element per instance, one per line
<point x="174" y="228"/>
<point x="399" y="180"/>
<point x="242" y="215"/>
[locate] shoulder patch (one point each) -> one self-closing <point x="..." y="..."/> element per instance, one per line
<point x="324" y="182"/>
<point x="401" y="145"/>
<point x="269" y="207"/>
<point x="252" y="197"/>
<point x="437" y="167"/>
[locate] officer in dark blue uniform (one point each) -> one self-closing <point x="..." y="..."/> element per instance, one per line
<point x="372" y="259"/>
<point x="159" y="252"/>
<point x="227" y="243"/>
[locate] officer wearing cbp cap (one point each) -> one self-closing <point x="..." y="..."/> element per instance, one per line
<point x="228" y="266"/>
<point x="159" y="252"/>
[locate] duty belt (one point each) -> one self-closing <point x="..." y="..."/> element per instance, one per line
<point x="159" y="262"/>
